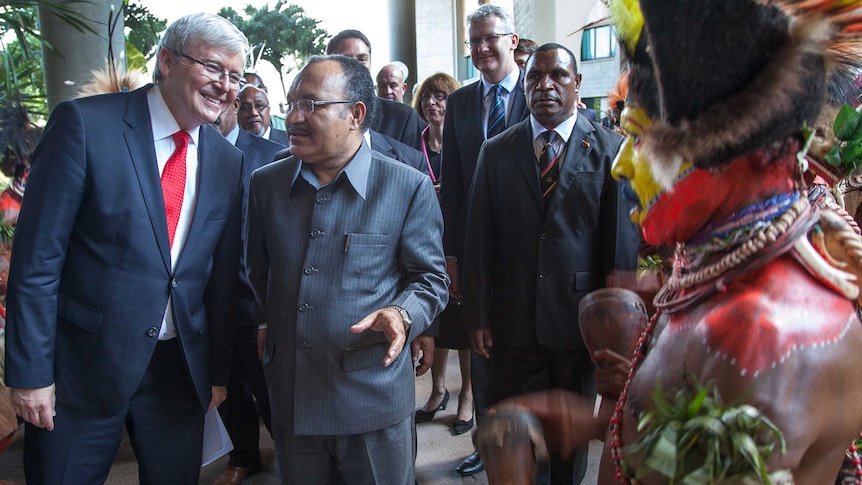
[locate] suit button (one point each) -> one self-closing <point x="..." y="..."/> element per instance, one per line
<point x="310" y="270"/>
<point x="174" y="283"/>
<point x="305" y="307"/>
<point x="542" y="275"/>
<point x="317" y="233"/>
<point x="543" y="236"/>
<point x="321" y="199"/>
<point x="152" y="332"/>
<point x="304" y="345"/>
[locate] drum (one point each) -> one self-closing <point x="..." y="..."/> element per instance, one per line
<point x="512" y="447"/>
<point x="612" y="318"/>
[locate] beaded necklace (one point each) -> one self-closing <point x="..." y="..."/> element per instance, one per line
<point x="671" y="298"/>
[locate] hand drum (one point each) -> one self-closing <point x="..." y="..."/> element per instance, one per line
<point x="612" y="318"/>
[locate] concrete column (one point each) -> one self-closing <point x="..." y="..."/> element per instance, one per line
<point x="402" y="35"/>
<point x="79" y="52"/>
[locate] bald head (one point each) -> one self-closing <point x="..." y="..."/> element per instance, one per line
<point x="390" y="83"/>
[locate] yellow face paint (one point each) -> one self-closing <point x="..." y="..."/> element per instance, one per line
<point x="633" y="167"/>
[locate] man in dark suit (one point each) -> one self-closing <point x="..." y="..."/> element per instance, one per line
<point x="254" y="114"/>
<point x="120" y="297"/>
<point x="343" y="247"/>
<point x="492" y="44"/>
<point x="546" y="225"/>
<point x="397" y="120"/>
<point x="247" y="395"/>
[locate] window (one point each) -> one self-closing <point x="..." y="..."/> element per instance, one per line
<point x="599" y="43"/>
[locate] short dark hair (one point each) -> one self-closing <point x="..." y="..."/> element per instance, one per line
<point x="344" y="35"/>
<point x="526" y="46"/>
<point x="358" y="85"/>
<point x="573" y="63"/>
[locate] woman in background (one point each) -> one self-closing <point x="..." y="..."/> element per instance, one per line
<point x="430" y="103"/>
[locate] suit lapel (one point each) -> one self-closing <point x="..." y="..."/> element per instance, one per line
<point x="139" y="140"/>
<point x="519" y="103"/>
<point x="578" y="149"/>
<point x="477" y="103"/>
<point x="526" y="164"/>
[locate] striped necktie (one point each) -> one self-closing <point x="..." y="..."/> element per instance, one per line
<point x="497" y="114"/>
<point x="548" y="168"/>
<point x="174" y="182"/>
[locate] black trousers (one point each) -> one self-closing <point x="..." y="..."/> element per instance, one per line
<point x="520" y="371"/>
<point x="247" y="399"/>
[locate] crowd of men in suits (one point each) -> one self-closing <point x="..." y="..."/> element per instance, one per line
<point x="176" y="252"/>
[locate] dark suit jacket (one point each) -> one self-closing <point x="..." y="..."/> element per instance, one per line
<point x="399" y="121"/>
<point x="92" y="272"/>
<point x="462" y="138"/>
<point x="526" y="269"/>
<point x="278" y="136"/>
<point x="258" y="152"/>
<point x="589" y="114"/>
<point x="399" y="151"/>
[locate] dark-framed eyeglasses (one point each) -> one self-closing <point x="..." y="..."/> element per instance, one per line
<point x="215" y="72"/>
<point x="488" y="39"/>
<point x="306" y="106"/>
<point x="439" y="97"/>
<point x="246" y="107"/>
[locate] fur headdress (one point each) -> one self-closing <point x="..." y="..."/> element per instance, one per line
<point x="18" y="137"/>
<point x="721" y="78"/>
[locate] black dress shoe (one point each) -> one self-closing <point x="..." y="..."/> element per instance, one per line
<point x="471" y="465"/>
<point x="423" y="416"/>
<point x="461" y="426"/>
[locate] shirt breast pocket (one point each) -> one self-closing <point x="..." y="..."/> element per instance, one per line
<point x="366" y="256"/>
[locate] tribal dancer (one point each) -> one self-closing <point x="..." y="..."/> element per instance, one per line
<point x="759" y="311"/>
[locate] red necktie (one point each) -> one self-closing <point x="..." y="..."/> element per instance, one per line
<point x="174" y="182"/>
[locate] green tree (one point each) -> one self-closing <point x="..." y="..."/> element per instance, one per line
<point x="143" y="30"/>
<point x="286" y="33"/>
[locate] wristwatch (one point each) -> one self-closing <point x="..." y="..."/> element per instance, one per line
<point x="405" y="317"/>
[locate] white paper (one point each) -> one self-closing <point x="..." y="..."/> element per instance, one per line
<point x="217" y="442"/>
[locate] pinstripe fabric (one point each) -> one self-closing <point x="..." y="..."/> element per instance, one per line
<point x="321" y="260"/>
<point x="382" y="457"/>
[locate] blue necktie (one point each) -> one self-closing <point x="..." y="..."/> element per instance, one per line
<point x="548" y="167"/>
<point x="497" y="114"/>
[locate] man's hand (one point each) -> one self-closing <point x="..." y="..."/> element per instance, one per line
<point x="36" y="406"/>
<point x="454" y="281"/>
<point x="261" y="338"/>
<point x="612" y="370"/>
<point x="219" y="395"/>
<point x="388" y="321"/>
<point x="422" y="351"/>
<point x="482" y="341"/>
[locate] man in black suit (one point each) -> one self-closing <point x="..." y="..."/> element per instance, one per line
<point x="122" y="290"/>
<point x="247" y="395"/>
<point x="254" y="114"/>
<point x="492" y="44"/>
<point x="546" y="225"/>
<point x="397" y="120"/>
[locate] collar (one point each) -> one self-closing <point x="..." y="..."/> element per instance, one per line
<point x="233" y="135"/>
<point x="509" y="82"/>
<point x="564" y="129"/>
<point x="163" y="122"/>
<point x="356" y="172"/>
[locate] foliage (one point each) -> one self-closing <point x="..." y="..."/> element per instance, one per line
<point x="846" y="155"/>
<point x="143" y="30"/>
<point x="694" y="438"/>
<point x="286" y="33"/>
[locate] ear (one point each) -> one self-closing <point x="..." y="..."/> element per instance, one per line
<point x="514" y="45"/>
<point x="578" y="78"/>
<point x="166" y="60"/>
<point x="358" y="110"/>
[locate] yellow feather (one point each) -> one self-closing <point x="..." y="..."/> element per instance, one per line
<point x="627" y="17"/>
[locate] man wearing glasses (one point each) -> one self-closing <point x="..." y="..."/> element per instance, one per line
<point x="344" y="253"/>
<point x="120" y="297"/>
<point x="254" y="114"/>
<point x="475" y="113"/>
